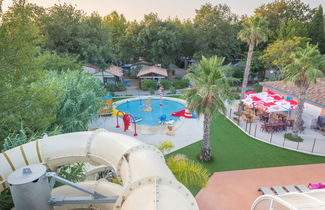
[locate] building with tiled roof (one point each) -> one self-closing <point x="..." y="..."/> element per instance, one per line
<point x="152" y="72"/>
<point x="115" y="70"/>
<point x="315" y="98"/>
<point x="112" y="74"/>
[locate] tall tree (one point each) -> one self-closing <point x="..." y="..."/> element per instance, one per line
<point x="24" y="97"/>
<point x="216" y="28"/>
<point x="316" y="30"/>
<point x="279" y="53"/>
<point x="68" y="30"/>
<point x="304" y="70"/>
<point x="254" y="32"/>
<point x="293" y="28"/>
<point x="281" y="11"/>
<point x="117" y="25"/>
<point x="210" y="91"/>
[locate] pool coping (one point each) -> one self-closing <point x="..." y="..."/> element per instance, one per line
<point x="152" y="130"/>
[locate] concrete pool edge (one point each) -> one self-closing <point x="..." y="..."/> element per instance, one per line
<point x="151" y="130"/>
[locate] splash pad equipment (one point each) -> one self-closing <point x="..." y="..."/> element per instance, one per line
<point x="126" y="120"/>
<point x="147" y="183"/>
<point x="147" y="105"/>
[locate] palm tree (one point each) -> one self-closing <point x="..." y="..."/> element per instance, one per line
<point x="186" y="171"/>
<point x="254" y="32"/>
<point x="304" y="70"/>
<point x="210" y="90"/>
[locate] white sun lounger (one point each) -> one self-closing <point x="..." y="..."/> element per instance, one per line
<point x="291" y="188"/>
<point x="279" y="190"/>
<point x="266" y="191"/>
<point x="302" y="188"/>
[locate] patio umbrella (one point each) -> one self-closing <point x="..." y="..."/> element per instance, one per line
<point x="249" y="93"/>
<point x="270" y="93"/>
<point x="251" y="101"/>
<point x="288" y="104"/>
<point x="275" y="108"/>
<point x="276" y="98"/>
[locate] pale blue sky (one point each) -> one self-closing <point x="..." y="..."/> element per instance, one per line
<point x="135" y="9"/>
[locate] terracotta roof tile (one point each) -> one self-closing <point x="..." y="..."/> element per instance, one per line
<point x="315" y="93"/>
<point x="115" y="70"/>
<point x="153" y="69"/>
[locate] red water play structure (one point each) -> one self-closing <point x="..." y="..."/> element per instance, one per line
<point x="183" y="113"/>
<point x="127" y="122"/>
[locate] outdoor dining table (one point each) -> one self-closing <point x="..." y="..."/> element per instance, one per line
<point x="274" y="127"/>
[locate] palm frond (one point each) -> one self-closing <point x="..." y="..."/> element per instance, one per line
<point x="188" y="172"/>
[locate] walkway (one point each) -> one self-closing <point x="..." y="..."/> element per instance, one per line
<point x="187" y="131"/>
<point x="234" y="190"/>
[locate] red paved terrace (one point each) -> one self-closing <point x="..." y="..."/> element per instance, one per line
<point x="237" y="190"/>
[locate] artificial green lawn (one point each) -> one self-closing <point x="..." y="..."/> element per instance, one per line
<point x="232" y="149"/>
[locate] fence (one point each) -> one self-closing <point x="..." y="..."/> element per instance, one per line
<point x="313" y="143"/>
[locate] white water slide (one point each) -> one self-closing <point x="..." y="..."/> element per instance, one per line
<point x="147" y="182"/>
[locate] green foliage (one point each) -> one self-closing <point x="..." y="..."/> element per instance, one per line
<point x="166" y="146"/>
<point x="172" y="90"/>
<point x="69" y="31"/>
<point x="305" y="67"/>
<point x="156" y="40"/>
<point x="292" y="28"/>
<point x="278" y="54"/>
<point x="148" y="84"/>
<point x="181" y="83"/>
<point x="291" y="137"/>
<point x="6" y="200"/>
<point x="166" y="84"/>
<point x="24" y="136"/>
<point x="187" y="171"/>
<point x="117" y="25"/>
<point x="24" y="96"/>
<point x="211" y="88"/>
<point x="215" y="28"/>
<point x="304" y="70"/>
<point x="80" y="101"/>
<point x="254" y="30"/>
<point x="113" y="87"/>
<point x="73" y="172"/>
<point x="279" y="12"/>
<point x="316" y="30"/>
<point x="53" y="61"/>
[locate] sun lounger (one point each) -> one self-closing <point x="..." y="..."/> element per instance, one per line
<point x="266" y="191"/>
<point x="302" y="188"/>
<point x="291" y="188"/>
<point x="279" y="190"/>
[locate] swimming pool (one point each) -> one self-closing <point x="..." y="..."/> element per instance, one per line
<point x="135" y="108"/>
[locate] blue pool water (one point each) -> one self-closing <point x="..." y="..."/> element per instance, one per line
<point x="135" y="108"/>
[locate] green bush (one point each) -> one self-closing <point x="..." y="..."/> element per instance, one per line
<point x="113" y="87"/>
<point x="166" y="84"/>
<point x="290" y="137"/>
<point x="182" y="83"/>
<point x="172" y="90"/>
<point x="148" y="85"/>
<point x="80" y="102"/>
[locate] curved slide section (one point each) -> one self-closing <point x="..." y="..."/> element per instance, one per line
<point x="147" y="182"/>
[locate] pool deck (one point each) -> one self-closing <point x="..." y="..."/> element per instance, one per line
<point x="189" y="131"/>
<point x="234" y="190"/>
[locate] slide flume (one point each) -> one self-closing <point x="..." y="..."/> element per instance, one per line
<point x="147" y="182"/>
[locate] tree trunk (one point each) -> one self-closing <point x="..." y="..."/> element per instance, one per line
<point x="247" y="68"/>
<point x="206" y="148"/>
<point x="298" y="119"/>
